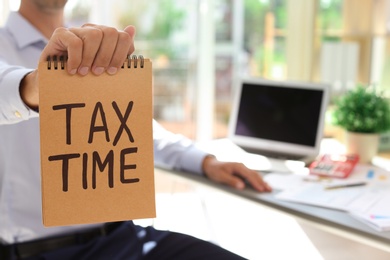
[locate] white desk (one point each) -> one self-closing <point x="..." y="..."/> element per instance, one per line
<point x="337" y="222"/>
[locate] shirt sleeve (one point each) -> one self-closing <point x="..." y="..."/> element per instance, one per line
<point x="12" y="107"/>
<point x="174" y="151"/>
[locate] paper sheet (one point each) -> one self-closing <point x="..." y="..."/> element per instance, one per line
<point x="346" y="199"/>
<point x="377" y="214"/>
<point x="369" y="203"/>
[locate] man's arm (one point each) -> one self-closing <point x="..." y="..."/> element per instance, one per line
<point x="12" y="107"/>
<point x="174" y="151"/>
<point x="177" y="152"/>
<point x="29" y="91"/>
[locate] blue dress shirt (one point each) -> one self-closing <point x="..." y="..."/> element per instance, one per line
<point x="20" y="191"/>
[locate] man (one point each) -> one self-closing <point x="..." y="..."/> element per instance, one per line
<point x="90" y="49"/>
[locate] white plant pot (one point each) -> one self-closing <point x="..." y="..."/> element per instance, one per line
<point x="365" y="145"/>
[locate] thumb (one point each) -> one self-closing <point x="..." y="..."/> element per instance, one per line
<point x="130" y="29"/>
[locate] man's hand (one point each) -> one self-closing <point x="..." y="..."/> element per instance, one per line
<point x="233" y="174"/>
<point x="90" y="48"/>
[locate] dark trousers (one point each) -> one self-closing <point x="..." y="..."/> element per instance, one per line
<point x="131" y="242"/>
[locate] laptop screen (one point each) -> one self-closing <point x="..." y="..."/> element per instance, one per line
<point x="285" y="117"/>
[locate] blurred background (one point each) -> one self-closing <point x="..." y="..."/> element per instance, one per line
<point x="200" y="47"/>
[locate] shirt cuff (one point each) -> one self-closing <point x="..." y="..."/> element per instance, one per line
<point x="14" y="107"/>
<point x="192" y="160"/>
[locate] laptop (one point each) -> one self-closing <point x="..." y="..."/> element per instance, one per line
<point x="281" y="120"/>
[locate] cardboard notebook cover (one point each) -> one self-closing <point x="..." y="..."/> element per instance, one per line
<point x="96" y="144"/>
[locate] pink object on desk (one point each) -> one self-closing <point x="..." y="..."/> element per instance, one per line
<point x="338" y="166"/>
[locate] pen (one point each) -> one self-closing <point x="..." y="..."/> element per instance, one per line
<point x="345" y="185"/>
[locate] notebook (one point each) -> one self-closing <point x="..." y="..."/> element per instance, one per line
<point x="96" y="144"/>
<point x="282" y="120"/>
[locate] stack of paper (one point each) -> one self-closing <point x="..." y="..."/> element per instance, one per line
<point x="378" y="214"/>
<point x="368" y="202"/>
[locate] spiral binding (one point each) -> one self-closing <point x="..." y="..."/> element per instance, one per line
<point x="56" y="62"/>
<point x="135" y="59"/>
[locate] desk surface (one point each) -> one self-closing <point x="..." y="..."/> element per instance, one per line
<point x="337" y="221"/>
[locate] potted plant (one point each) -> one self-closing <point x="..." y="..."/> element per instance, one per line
<point x="364" y="114"/>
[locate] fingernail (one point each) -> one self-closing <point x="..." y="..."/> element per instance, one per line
<point x="112" y="70"/>
<point x="98" y="70"/>
<point x="73" y="71"/>
<point x="84" y="71"/>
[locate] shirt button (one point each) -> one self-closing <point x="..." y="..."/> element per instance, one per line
<point x="17" y="114"/>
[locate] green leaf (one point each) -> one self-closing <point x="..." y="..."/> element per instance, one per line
<point x="362" y="110"/>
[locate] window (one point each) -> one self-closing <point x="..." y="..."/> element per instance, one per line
<point x="334" y="41"/>
<point x="264" y="37"/>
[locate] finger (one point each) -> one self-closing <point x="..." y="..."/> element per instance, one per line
<point x="252" y="177"/>
<point x="64" y="42"/>
<point x="124" y="48"/>
<point x="110" y="41"/>
<point x="258" y="183"/>
<point x="130" y="30"/>
<point x="114" y="48"/>
<point x="126" y="38"/>
<point x="91" y="41"/>
<point x="233" y="181"/>
<point x="226" y="177"/>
